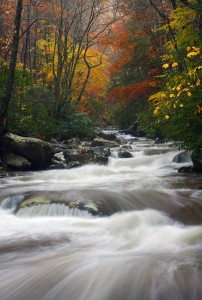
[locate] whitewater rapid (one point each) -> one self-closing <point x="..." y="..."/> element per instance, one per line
<point x="146" y="244"/>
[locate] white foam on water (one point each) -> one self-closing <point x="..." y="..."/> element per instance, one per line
<point x="141" y="254"/>
<point x="135" y="250"/>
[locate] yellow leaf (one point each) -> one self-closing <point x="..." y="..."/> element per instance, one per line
<point x="174" y="106"/>
<point x="189" y="94"/>
<point x="198" y="108"/>
<point x="165" y="66"/>
<point x="172" y="95"/>
<point x="193" y="53"/>
<point x="188" y="49"/>
<point x="181" y="105"/>
<point x="174" y="64"/>
<point x="167" y="117"/>
<point x="197" y="50"/>
<point x="156" y="111"/>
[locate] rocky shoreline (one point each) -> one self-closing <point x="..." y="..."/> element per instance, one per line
<point x="29" y="154"/>
<point x="19" y="154"/>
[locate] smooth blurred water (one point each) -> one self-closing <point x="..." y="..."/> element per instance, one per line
<point x="144" y="242"/>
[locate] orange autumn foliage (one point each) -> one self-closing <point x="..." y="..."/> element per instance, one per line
<point x="131" y="92"/>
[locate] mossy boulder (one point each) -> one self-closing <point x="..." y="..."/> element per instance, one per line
<point x="16" y="162"/>
<point x="37" y="152"/>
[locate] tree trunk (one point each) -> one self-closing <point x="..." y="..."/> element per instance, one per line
<point x="5" y="101"/>
<point x="27" y="38"/>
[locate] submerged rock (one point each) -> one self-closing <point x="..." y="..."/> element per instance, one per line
<point x="42" y="205"/>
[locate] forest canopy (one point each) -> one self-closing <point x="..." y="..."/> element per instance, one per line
<point x="66" y="66"/>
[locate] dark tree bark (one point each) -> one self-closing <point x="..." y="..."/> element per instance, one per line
<point x="4" y="104"/>
<point x="27" y="38"/>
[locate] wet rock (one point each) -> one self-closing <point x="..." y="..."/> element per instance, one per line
<point x="156" y="151"/>
<point x="60" y="146"/>
<point x="35" y="200"/>
<point x="120" y="140"/>
<point x="107" y="136"/>
<point x="73" y="143"/>
<point x="134" y="130"/>
<point x="127" y="147"/>
<point x="73" y="164"/>
<point x="187" y="169"/>
<point x="57" y="165"/>
<point x="104" y="143"/>
<point x="59" y="156"/>
<point x="16" y="162"/>
<point x="37" y="152"/>
<point x="3" y="169"/>
<point x="58" y="162"/>
<point x="101" y="151"/>
<point x="87" y="155"/>
<point x="197" y="160"/>
<point x="159" y="140"/>
<point x="43" y="205"/>
<point x="123" y="153"/>
<point x="91" y="206"/>
<point x="71" y="154"/>
<point x="182" y="157"/>
<point x="53" y="141"/>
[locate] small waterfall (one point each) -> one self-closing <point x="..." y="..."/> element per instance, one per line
<point x="50" y="210"/>
<point x="12" y="202"/>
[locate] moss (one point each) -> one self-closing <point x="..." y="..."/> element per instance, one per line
<point x="35" y="201"/>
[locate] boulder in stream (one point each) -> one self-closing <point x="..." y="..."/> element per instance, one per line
<point x="123" y="153"/>
<point x="197" y="160"/>
<point x="16" y="162"/>
<point x="187" y="169"/>
<point x="182" y="157"/>
<point x="108" y="136"/>
<point x="134" y="130"/>
<point x="37" y="152"/>
<point x="104" y="143"/>
<point x="87" y="155"/>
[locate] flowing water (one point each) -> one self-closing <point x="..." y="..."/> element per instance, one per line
<point x="127" y="231"/>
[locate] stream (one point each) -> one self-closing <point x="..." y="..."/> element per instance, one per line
<point x="131" y="230"/>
